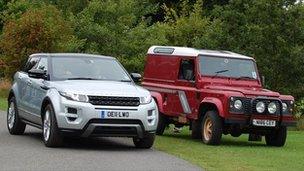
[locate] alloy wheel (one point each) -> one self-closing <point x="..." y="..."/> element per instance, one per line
<point x="46" y="126"/>
<point x="11" y="115"/>
<point x="207" y="129"/>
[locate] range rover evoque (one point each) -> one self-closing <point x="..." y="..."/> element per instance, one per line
<point x="80" y="95"/>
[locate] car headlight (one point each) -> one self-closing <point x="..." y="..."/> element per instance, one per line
<point x="260" y="107"/>
<point x="272" y="108"/>
<point x="238" y="104"/>
<point x="145" y="99"/>
<point x="284" y="107"/>
<point x="75" y="97"/>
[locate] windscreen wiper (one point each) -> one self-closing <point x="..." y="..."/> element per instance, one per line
<point x="125" y="81"/>
<point x="218" y="72"/>
<point x="82" y="78"/>
<point x="245" y="77"/>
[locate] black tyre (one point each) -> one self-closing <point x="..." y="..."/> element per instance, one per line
<point x="196" y="129"/>
<point x="277" y="137"/>
<point x="14" y="125"/>
<point x="211" y="128"/>
<point x="162" y="124"/>
<point x="51" y="136"/>
<point x="146" y="142"/>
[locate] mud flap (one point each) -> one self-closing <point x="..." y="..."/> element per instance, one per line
<point x="254" y="137"/>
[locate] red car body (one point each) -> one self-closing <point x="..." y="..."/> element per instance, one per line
<point x="185" y="101"/>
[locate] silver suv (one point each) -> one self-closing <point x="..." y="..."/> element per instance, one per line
<point x="80" y="95"/>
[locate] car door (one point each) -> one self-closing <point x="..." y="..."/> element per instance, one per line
<point x="24" y="88"/>
<point x="39" y="91"/>
<point x="185" y="99"/>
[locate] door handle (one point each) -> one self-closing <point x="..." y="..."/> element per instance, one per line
<point x="29" y="83"/>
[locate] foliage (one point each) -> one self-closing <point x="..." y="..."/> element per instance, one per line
<point x="118" y="28"/>
<point x="37" y="30"/>
<point x="270" y="31"/>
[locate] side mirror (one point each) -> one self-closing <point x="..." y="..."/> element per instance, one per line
<point x="263" y="80"/>
<point x="136" y="77"/>
<point x="37" y="73"/>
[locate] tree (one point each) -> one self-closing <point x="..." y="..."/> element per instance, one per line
<point x="37" y="30"/>
<point x="273" y="33"/>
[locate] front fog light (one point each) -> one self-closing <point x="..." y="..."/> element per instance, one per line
<point x="238" y="104"/>
<point x="260" y="107"/>
<point x="151" y="117"/>
<point x="272" y="108"/>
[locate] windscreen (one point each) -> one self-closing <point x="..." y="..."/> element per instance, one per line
<point x="227" y="67"/>
<point x="94" y="68"/>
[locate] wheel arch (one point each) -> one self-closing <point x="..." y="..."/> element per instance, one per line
<point x="158" y="100"/>
<point x="211" y="104"/>
<point x="46" y="101"/>
<point x="11" y="94"/>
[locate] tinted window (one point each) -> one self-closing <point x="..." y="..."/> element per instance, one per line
<point x="227" y="67"/>
<point x="42" y="64"/>
<point x="31" y="63"/>
<point x="87" y="67"/>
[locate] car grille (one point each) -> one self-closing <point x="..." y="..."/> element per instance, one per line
<point x="114" y="101"/>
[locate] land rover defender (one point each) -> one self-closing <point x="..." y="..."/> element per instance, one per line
<point x="215" y="92"/>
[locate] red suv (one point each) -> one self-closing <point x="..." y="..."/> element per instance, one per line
<point x="215" y="92"/>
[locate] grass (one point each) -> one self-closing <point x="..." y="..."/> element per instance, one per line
<point x="3" y="103"/>
<point x="235" y="153"/>
<point x="4" y="89"/>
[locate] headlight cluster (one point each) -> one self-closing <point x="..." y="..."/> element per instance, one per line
<point x="236" y="105"/>
<point x="287" y="106"/>
<point x="75" y="97"/>
<point x="145" y="99"/>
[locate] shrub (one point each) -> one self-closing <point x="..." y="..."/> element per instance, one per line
<point x="37" y="30"/>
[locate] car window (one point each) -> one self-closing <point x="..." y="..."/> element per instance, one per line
<point x="227" y="67"/>
<point x="186" y="71"/>
<point x="87" y="67"/>
<point x="31" y="63"/>
<point x="42" y="65"/>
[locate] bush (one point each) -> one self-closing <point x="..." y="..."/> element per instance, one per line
<point x="299" y="114"/>
<point x="37" y="30"/>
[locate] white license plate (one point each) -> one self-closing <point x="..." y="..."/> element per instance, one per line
<point x="261" y="122"/>
<point x="114" y="114"/>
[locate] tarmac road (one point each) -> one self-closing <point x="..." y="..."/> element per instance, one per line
<point x="27" y="152"/>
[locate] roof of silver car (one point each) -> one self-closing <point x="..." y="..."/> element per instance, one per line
<point x="186" y="51"/>
<point x="71" y="55"/>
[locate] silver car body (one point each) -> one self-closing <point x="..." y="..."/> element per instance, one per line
<point x="32" y="94"/>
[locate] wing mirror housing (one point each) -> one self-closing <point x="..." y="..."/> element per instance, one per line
<point x="37" y="73"/>
<point x="136" y="77"/>
<point x="263" y="80"/>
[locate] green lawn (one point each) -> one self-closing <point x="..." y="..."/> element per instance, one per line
<point x="235" y="153"/>
<point x="3" y="103"/>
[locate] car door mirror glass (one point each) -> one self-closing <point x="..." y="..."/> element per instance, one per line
<point x="136" y="77"/>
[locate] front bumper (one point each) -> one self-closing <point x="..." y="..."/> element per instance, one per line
<point x="246" y="120"/>
<point x="91" y="120"/>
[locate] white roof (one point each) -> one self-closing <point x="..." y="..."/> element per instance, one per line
<point x="71" y="55"/>
<point x="186" y="51"/>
